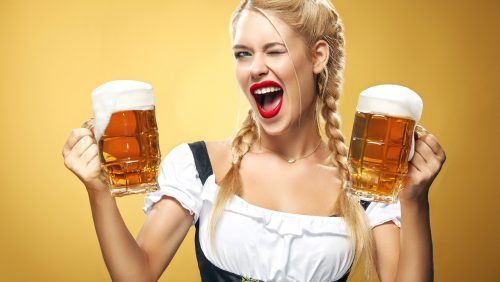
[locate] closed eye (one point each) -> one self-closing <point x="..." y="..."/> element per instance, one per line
<point x="276" y="52"/>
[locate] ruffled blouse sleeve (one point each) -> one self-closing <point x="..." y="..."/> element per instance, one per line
<point x="379" y="213"/>
<point x="179" y="179"/>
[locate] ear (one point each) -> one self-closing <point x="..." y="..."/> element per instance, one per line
<point x="320" y="55"/>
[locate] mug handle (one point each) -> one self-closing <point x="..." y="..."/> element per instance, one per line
<point x="89" y="124"/>
<point x="420" y="131"/>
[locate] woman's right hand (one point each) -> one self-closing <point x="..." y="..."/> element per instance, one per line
<point x="81" y="156"/>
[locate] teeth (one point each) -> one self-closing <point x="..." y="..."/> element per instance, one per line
<point x="266" y="90"/>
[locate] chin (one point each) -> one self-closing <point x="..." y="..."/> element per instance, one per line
<point x="274" y="128"/>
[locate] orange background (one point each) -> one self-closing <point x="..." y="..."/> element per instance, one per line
<point x="53" y="53"/>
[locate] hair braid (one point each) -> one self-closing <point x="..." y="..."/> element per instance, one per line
<point x="244" y="138"/>
<point x="329" y="88"/>
<point x="231" y="183"/>
<point x="336" y="140"/>
<point x="330" y="81"/>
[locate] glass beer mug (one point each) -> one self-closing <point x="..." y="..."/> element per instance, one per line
<point x="382" y="141"/>
<point x="125" y="129"/>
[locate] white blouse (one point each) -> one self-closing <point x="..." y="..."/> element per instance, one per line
<point x="260" y="243"/>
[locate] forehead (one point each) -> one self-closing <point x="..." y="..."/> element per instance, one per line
<point x="254" y="29"/>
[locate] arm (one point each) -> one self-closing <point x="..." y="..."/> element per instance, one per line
<point x="406" y="254"/>
<point x="159" y="238"/>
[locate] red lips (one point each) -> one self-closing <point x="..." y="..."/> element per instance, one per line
<point x="267" y="83"/>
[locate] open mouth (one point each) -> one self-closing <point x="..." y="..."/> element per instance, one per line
<point x="268" y="96"/>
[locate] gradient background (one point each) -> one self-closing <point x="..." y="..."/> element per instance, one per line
<point x="53" y="53"/>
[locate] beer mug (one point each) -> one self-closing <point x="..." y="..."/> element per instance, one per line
<point x="382" y="141"/>
<point x="125" y="129"/>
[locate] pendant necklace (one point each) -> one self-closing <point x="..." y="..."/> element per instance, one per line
<point x="293" y="160"/>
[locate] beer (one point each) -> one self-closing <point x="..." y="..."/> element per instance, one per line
<point x="378" y="154"/>
<point x="129" y="151"/>
<point x="382" y="141"/>
<point x="126" y="131"/>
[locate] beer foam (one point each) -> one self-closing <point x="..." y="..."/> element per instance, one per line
<point x="390" y="99"/>
<point x="119" y="95"/>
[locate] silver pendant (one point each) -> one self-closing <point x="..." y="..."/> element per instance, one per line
<point x="291" y="161"/>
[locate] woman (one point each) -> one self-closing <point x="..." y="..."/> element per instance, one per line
<point x="271" y="204"/>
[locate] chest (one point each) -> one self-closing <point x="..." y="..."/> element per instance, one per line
<point x="272" y="246"/>
<point x="298" y="188"/>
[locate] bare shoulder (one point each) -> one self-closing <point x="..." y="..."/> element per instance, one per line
<point x="220" y="157"/>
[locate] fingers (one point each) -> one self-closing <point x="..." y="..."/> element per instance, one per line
<point x="418" y="161"/>
<point x="94" y="162"/>
<point x="423" y="150"/>
<point x="423" y="167"/>
<point x="90" y="153"/>
<point x="76" y="135"/>
<point x="412" y="169"/>
<point x="429" y="156"/>
<point x="80" y="151"/>
<point x="420" y="170"/>
<point x="431" y="141"/>
<point x="82" y="146"/>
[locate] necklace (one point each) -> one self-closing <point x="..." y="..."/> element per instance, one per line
<point x="292" y="160"/>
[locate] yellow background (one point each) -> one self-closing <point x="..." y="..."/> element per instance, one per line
<point x="53" y="53"/>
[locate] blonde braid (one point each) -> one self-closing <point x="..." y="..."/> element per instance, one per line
<point x="230" y="185"/>
<point x="336" y="140"/>
<point x="329" y="89"/>
<point x="244" y="138"/>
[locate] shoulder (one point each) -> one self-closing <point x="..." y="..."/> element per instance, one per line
<point x="219" y="149"/>
<point x="220" y="157"/>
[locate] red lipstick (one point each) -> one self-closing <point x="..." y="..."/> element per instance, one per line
<point x="260" y="99"/>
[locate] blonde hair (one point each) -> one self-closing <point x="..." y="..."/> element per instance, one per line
<point x="314" y="20"/>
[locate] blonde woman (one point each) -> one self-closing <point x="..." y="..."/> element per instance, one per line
<point x="270" y="204"/>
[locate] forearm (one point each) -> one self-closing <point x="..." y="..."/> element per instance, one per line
<point x="124" y="258"/>
<point x="416" y="256"/>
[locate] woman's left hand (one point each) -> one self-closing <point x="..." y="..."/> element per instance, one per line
<point x="425" y="165"/>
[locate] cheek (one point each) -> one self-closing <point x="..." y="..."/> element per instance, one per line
<point x="284" y="71"/>
<point x="307" y="84"/>
<point x="306" y="80"/>
<point x="306" y="76"/>
<point x="242" y="76"/>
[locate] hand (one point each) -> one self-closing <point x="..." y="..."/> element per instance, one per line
<point x="423" y="168"/>
<point x="81" y="156"/>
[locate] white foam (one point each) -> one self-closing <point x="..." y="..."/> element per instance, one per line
<point x="116" y="96"/>
<point x="390" y="99"/>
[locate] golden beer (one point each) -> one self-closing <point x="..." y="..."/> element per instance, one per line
<point x="126" y="131"/>
<point x="378" y="155"/>
<point x="130" y="153"/>
<point x="382" y="141"/>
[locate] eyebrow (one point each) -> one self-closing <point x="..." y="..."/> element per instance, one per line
<point x="267" y="46"/>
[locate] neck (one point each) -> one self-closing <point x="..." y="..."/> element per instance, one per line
<point x="296" y="142"/>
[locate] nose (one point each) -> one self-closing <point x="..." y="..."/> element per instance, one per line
<point x="259" y="67"/>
